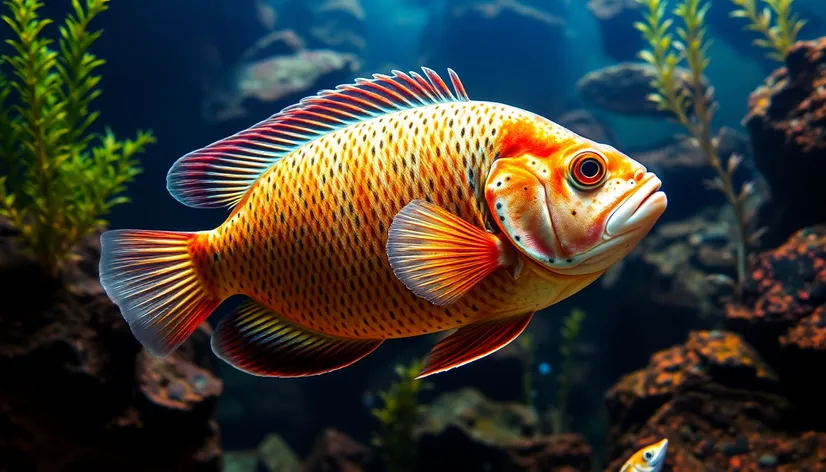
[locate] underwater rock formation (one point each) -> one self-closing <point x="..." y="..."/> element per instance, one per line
<point x="334" y="451"/>
<point x="718" y="404"/>
<point x="782" y="312"/>
<point x="327" y="24"/>
<point x="445" y="44"/>
<point x="289" y="73"/>
<point x="683" y="168"/>
<point x="787" y="125"/>
<point x="492" y="436"/>
<point x="624" y="88"/>
<point x="79" y="393"/>
<point x="615" y="19"/>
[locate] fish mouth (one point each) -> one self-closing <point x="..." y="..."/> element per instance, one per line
<point x="625" y="228"/>
<point x="660" y="455"/>
<point x="641" y="210"/>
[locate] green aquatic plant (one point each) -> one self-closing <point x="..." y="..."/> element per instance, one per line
<point x="59" y="179"/>
<point x="775" y="22"/>
<point x="398" y="416"/>
<point x="525" y="343"/>
<point x="694" y="105"/>
<point x="571" y="327"/>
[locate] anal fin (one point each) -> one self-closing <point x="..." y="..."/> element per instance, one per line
<point x="258" y="341"/>
<point x="474" y="342"/>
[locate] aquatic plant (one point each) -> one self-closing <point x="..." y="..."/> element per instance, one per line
<point x="775" y="22"/>
<point x="694" y="106"/>
<point x="525" y="343"/>
<point x="398" y="416"/>
<point x="558" y="414"/>
<point x="58" y="178"/>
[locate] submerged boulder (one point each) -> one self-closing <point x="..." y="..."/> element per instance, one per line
<point x="492" y="436"/>
<point x="624" y="88"/>
<point x="79" y="393"/>
<point x="782" y="311"/>
<point x="718" y="404"/>
<point x="787" y="125"/>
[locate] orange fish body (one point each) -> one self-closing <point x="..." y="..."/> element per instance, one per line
<point x="648" y="459"/>
<point x="390" y="208"/>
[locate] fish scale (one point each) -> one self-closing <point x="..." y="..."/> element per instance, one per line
<point x="388" y="208"/>
<point x="325" y="210"/>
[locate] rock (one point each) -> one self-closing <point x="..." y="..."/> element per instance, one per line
<point x="334" y="451"/>
<point x="277" y="456"/>
<point x="787" y="125"/>
<point x="276" y="81"/>
<point x="624" y="88"/>
<point x="720" y="406"/>
<point x="782" y="311"/>
<point x="586" y="124"/>
<point x="444" y="44"/>
<point x="79" y="393"/>
<point x="339" y="25"/>
<point x="669" y="270"/>
<point x="616" y="23"/>
<point x="683" y="169"/>
<point x="492" y="436"/>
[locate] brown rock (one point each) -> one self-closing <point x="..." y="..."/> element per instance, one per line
<point x="718" y="404"/>
<point x="624" y="88"/>
<point x="787" y="125"/>
<point x="78" y="392"/>
<point x="492" y="435"/>
<point x="334" y="451"/>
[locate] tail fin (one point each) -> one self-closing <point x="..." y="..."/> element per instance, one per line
<point x="152" y="278"/>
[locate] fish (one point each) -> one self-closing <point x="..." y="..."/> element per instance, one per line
<point x="386" y="208"/>
<point x="648" y="459"/>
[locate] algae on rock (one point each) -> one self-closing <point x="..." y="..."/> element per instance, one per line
<point x="59" y="179"/>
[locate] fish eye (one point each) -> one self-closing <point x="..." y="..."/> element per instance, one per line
<point x="588" y="170"/>
<point x="647" y="455"/>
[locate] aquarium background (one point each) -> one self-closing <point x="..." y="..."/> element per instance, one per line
<point x="725" y="380"/>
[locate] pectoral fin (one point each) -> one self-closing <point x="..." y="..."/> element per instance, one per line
<point x="474" y="342"/>
<point x="258" y="341"/>
<point x="438" y="255"/>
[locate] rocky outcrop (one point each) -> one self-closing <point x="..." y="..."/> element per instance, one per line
<point x="718" y="404"/>
<point x="782" y="311"/>
<point x="624" y="88"/>
<point x="787" y="125"/>
<point x="492" y="436"/>
<point x="279" y="70"/>
<point x="79" y="393"/>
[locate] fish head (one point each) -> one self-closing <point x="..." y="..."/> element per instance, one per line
<point x="575" y="209"/>
<point x="652" y="458"/>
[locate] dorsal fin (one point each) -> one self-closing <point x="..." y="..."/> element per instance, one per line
<point x="220" y="174"/>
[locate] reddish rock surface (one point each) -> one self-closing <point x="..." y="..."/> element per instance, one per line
<point x="718" y="404"/>
<point x="783" y="313"/>
<point x="787" y="124"/>
<point x="78" y="392"/>
<point x="335" y="451"/>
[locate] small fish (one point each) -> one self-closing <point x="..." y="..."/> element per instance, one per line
<point x="388" y="208"/>
<point x="648" y="459"/>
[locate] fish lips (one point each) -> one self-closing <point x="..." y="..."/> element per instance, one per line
<point x="641" y="210"/>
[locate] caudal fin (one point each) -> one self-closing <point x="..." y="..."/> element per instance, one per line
<point x="151" y="277"/>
